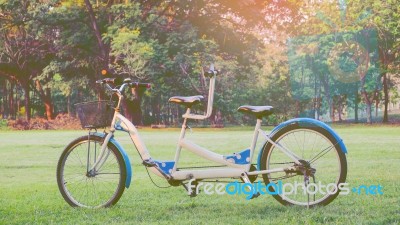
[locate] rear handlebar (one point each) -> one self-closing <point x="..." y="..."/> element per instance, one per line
<point x="210" y="73"/>
<point x="137" y="84"/>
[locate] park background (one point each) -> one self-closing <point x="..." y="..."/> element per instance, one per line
<point x="329" y="60"/>
<point x="336" y="61"/>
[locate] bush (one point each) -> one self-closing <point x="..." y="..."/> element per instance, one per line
<point x="3" y="124"/>
<point x="62" y="121"/>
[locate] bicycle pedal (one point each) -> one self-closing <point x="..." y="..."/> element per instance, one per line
<point x="149" y="163"/>
<point x="255" y="195"/>
<point x="193" y="191"/>
<point x="193" y="194"/>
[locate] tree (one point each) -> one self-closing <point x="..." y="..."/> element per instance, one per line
<point x="24" y="52"/>
<point x="58" y="48"/>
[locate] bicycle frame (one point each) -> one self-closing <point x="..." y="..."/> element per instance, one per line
<point x="119" y="122"/>
<point x="232" y="169"/>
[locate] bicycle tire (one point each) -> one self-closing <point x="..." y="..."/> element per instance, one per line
<point x="268" y="150"/>
<point x="90" y="184"/>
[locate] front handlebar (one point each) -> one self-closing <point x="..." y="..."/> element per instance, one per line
<point x="123" y="83"/>
<point x="115" y="81"/>
<point x="120" y="86"/>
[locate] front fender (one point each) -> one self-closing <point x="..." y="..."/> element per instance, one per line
<point x="304" y="122"/>
<point x="124" y="156"/>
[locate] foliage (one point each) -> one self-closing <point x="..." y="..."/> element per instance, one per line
<point x="280" y="53"/>
<point x="131" y="55"/>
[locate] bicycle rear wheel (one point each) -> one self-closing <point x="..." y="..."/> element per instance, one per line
<point x="324" y="166"/>
<point x="83" y="187"/>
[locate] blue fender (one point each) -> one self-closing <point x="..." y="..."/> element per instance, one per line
<point x="304" y="122"/>
<point x="124" y="156"/>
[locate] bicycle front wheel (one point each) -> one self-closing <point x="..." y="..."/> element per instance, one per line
<point x="83" y="186"/>
<point x="314" y="182"/>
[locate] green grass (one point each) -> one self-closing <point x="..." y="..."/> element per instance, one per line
<point x="29" y="193"/>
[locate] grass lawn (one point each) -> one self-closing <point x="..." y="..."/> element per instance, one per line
<point x="29" y="193"/>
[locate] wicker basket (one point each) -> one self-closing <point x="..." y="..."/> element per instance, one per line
<point x="95" y="114"/>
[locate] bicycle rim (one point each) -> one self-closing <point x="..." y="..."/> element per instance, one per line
<point x="322" y="154"/>
<point x="100" y="189"/>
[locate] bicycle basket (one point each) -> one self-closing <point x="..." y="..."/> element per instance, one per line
<point x="95" y="114"/>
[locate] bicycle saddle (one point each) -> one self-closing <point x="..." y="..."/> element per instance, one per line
<point x="186" y="101"/>
<point x="258" y="111"/>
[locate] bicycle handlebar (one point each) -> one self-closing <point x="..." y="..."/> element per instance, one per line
<point x="116" y="81"/>
<point x="119" y="81"/>
<point x="210" y="73"/>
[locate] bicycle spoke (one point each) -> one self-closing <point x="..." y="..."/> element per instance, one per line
<point x="324" y="161"/>
<point x="280" y="163"/>
<point x="320" y="154"/>
<point x="106" y="173"/>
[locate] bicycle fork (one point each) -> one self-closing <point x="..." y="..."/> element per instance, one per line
<point x="103" y="156"/>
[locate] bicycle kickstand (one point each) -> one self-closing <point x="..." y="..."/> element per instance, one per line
<point x="246" y="179"/>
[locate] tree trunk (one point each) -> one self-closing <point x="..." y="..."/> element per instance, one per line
<point x="317" y="114"/>
<point x="386" y="98"/>
<point x="316" y="95"/>
<point x="5" y="101"/>
<point x="27" y="102"/>
<point x="18" y="101"/>
<point x="316" y="103"/>
<point x="45" y="95"/>
<point x="104" y="49"/>
<point x="368" y="102"/>
<point x="340" y="108"/>
<point x="356" y="108"/>
<point x="297" y="108"/>
<point x="134" y="106"/>
<point x="218" y="120"/>
<point x="329" y="98"/>
<point x="69" y="105"/>
<point x="377" y="101"/>
<point x="169" y="115"/>
<point x="48" y="105"/>
<point x="369" y="113"/>
<point x="158" y="113"/>
<point x="11" y="102"/>
<point x="135" y="112"/>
